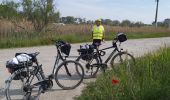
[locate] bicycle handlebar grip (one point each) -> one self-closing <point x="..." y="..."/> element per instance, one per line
<point x="37" y="53"/>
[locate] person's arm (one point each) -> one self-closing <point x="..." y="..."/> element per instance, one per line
<point x="92" y="33"/>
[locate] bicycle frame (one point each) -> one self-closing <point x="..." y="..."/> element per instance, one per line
<point x="111" y="54"/>
<point x="58" y="58"/>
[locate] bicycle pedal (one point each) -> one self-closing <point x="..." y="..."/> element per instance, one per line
<point x="51" y="76"/>
<point x="88" y="66"/>
<point x="87" y="71"/>
<point x="104" y="66"/>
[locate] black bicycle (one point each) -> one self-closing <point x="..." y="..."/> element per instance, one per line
<point x="22" y="84"/>
<point x="90" y="57"/>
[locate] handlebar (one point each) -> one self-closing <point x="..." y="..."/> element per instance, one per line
<point x="58" y="43"/>
<point x="36" y="53"/>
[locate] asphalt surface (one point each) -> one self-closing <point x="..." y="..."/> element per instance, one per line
<point x="137" y="47"/>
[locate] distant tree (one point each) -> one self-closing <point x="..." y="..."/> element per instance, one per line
<point x="108" y="22"/>
<point x="138" y="24"/>
<point x="161" y="24"/>
<point x="89" y="22"/>
<point x="116" y="23"/>
<point x="70" y="20"/>
<point x="125" y="23"/>
<point x="166" y="22"/>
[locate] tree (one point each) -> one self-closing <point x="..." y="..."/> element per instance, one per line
<point x="107" y="22"/>
<point x="166" y="22"/>
<point x="40" y="12"/>
<point x="116" y="23"/>
<point x="8" y="10"/>
<point x="138" y="24"/>
<point x="126" y="23"/>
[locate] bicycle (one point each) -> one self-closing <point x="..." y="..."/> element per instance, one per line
<point x="22" y="83"/>
<point x="92" y="61"/>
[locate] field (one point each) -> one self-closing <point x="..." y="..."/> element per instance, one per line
<point x="148" y="80"/>
<point x="22" y="34"/>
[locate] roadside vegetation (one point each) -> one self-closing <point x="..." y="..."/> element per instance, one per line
<point x="148" y="80"/>
<point x="72" y="34"/>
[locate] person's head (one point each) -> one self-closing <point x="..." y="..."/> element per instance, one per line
<point x="98" y="22"/>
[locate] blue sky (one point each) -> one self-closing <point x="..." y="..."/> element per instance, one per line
<point x="134" y="10"/>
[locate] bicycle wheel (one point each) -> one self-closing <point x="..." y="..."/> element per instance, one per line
<point x="66" y="75"/>
<point x="89" y="65"/>
<point x="122" y="58"/>
<point x="17" y="88"/>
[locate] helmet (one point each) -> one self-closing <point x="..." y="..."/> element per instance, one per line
<point x="98" y="20"/>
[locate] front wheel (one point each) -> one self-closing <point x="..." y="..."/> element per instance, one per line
<point x="66" y="75"/>
<point x="122" y="58"/>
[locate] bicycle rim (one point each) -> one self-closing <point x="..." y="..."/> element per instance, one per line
<point x="122" y="58"/>
<point x="15" y="89"/>
<point x="70" y="79"/>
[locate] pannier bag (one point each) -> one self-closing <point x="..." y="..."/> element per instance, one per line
<point x="86" y="51"/>
<point x="121" y="37"/>
<point x="20" y="61"/>
<point x="64" y="47"/>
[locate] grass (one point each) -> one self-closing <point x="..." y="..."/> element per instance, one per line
<point x="149" y="79"/>
<point x="36" y="39"/>
<point x="12" y="36"/>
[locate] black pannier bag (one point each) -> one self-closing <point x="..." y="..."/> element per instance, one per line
<point x="19" y="62"/>
<point x="65" y="48"/>
<point x="121" y="37"/>
<point x="14" y="67"/>
<point x="86" y="51"/>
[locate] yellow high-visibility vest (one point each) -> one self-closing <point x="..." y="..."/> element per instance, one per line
<point x="97" y="32"/>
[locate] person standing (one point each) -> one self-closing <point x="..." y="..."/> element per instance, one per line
<point x="98" y="33"/>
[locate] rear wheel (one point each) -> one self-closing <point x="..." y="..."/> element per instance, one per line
<point x="122" y="58"/>
<point x="66" y="75"/>
<point x="17" y="87"/>
<point x="89" y="65"/>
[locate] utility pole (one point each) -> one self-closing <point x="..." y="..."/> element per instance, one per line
<point x="156" y="15"/>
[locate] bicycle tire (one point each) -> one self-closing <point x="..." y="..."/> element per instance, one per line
<point x="92" y="70"/>
<point x="63" y="75"/>
<point x="119" y="57"/>
<point x="13" y="92"/>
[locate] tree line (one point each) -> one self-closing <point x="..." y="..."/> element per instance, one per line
<point x="75" y="20"/>
<point x="42" y="12"/>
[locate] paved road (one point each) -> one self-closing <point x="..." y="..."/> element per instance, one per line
<point x="137" y="47"/>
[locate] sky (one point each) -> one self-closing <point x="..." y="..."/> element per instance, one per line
<point x="134" y="10"/>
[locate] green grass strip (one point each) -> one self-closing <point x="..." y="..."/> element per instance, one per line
<point x="149" y="79"/>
